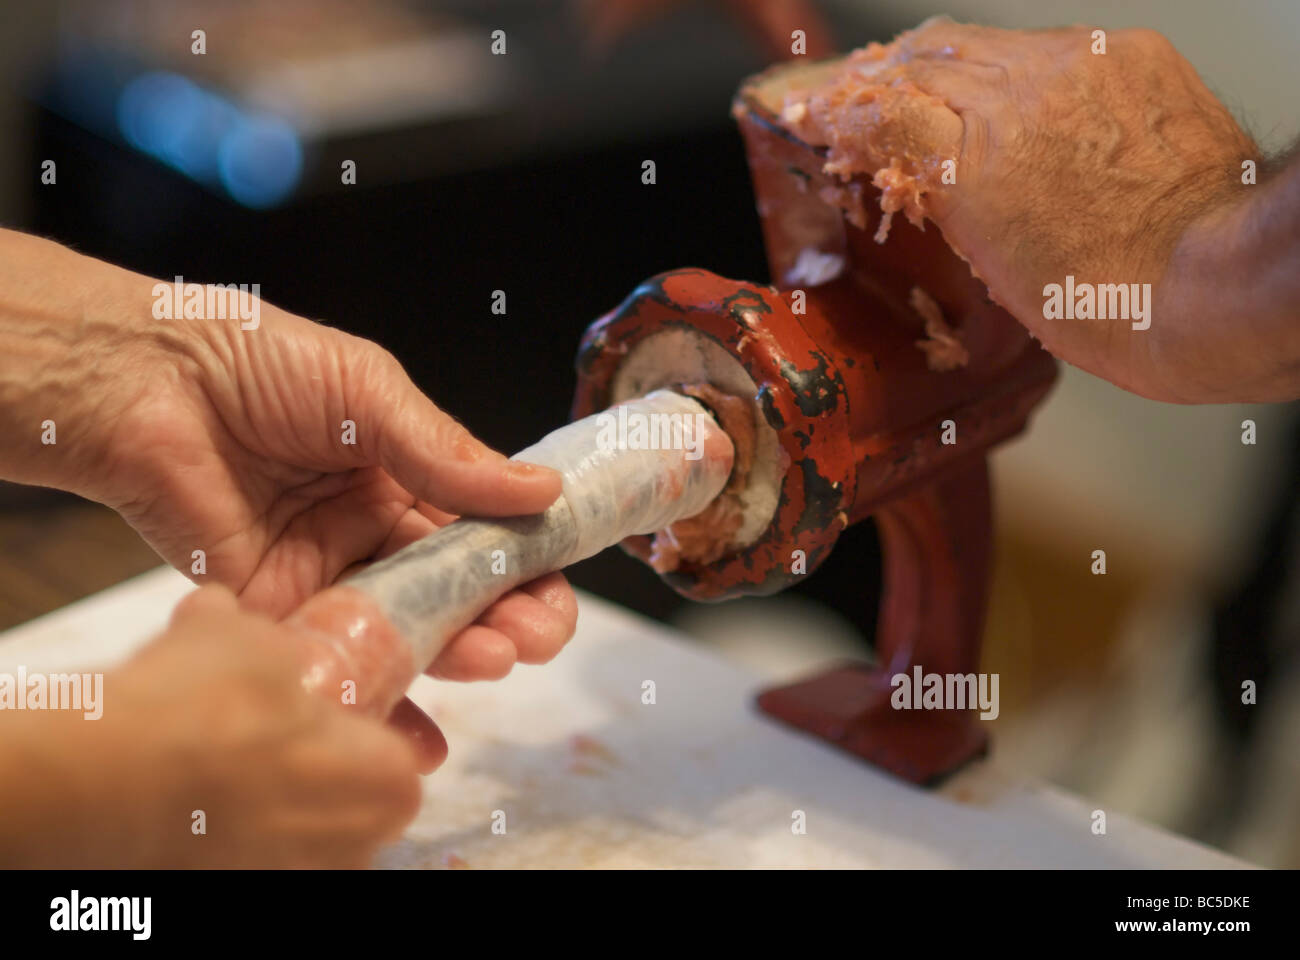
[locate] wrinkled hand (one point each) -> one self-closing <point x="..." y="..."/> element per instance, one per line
<point x="208" y="437"/>
<point x="236" y="444"/>
<point x="1109" y="167"/>
<point x="210" y="720"/>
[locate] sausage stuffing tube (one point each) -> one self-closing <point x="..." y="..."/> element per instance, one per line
<point x="373" y="634"/>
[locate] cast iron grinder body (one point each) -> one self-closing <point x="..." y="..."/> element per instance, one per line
<point x="860" y="419"/>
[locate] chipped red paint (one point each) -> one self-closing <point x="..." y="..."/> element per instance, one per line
<point x="756" y="326"/>
<point x="858" y="413"/>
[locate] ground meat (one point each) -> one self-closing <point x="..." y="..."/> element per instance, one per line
<point x="589" y="747"/>
<point x="344" y="636"/>
<point x="708" y="535"/>
<point x="856" y="116"/>
<point x="943" y="350"/>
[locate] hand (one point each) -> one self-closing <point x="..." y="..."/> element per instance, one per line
<point x="207" y="437"/>
<point x="1112" y="167"/>
<point x="209" y="717"/>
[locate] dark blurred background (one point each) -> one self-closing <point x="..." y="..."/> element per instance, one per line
<point x="522" y="173"/>
<point x="531" y="186"/>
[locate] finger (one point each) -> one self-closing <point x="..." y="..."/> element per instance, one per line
<point x="356" y="784"/>
<point x="539" y="618"/>
<point x="360" y="760"/>
<point x="918" y="126"/>
<point x="320" y="543"/>
<point x="414" y="525"/>
<point x="439" y="517"/>
<point x="899" y="120"/>
<point x="943" y="36"/>
<point x="204" y="603"/>
<point x="961" y="128"/>
<point x="421" y="732"/>
<point x="476" y="653"/>
<point x="960" y="84"/>
<point x="441" y="462"/>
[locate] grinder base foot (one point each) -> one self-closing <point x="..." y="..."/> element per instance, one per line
<point x="850" y="707"/>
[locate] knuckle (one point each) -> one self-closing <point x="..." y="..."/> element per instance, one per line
<point x="377" y="358"/>
<point x="452" y="435"/>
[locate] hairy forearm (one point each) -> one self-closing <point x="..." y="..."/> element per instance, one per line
<point x="1268" y="261"/>
<point x="1236" y="286"/>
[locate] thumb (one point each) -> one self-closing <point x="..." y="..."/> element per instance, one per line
<point x="203" y="604"/>
<point x="440" y="462"/>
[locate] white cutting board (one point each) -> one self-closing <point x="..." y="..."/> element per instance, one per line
<point x="582" y="773"/>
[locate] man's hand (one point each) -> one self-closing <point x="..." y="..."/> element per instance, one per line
<point x="208" y="727"/>
<point x="1114" y="167"/>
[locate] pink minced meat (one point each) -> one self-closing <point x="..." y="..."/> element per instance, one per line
<point x="943" y="349"/>
<point x="873" y="121"/>
<point x="342" y="636"/>
<point x="707" y="536"/>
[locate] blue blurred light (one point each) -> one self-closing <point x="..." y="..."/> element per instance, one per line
<point x="257" y="159"/>
<point x="260" y="160"/>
